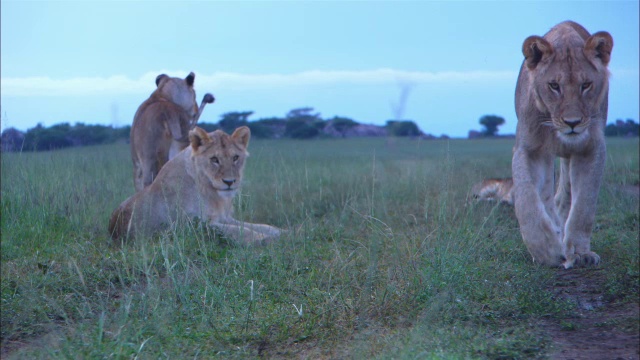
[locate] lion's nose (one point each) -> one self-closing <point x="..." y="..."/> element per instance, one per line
<point x="228" y="182"/>
<point x="572" y="122"/>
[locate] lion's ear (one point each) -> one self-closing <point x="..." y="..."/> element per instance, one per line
<point x="599" y="46"/>
<point x="198" y="137"/>
<point x="190" y="78"/>
<point x="534" y="50"/>
<point x="161" y="77"/>
<point x="241" y="136"/>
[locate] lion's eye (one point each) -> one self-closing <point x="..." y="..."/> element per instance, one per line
<point x="214" y="160"/>
<point x="586" y="85"/>
<point x="554" y="86"/>
<point x="235" y="158"/>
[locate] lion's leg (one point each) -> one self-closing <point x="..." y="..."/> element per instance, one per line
<point x="137" y="177"/>
<point x="264" y="229"/>
<point x="586" y="176"/>
<point x="242" y="234"/>
<point x="138" y="173"/>
<point x="148" y="173"/>
<point x="563" y="193"/>
<point x="153" y="165"/>
<point x="268" y="230"/>
<point x="533" y="202"/>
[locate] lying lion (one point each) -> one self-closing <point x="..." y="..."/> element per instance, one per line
<point x="161" y="126"/>
<point x="561" y="102"/>
<point x="494" y="190"/>
<point x="201" y="182"/>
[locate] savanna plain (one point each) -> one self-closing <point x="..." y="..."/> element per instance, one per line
<point x="386" y="257"/>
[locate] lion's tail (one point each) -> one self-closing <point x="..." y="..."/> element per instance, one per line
<point x="119" y="224"/>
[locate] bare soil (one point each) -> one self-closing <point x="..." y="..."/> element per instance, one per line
<point x="600" y="327"/>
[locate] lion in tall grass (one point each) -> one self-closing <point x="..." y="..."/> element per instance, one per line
<point x="200" y="182"/>
<point x="500" y="190"/>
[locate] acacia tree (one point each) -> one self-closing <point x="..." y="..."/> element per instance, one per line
<point x="402" y="128"/>
<point x="303" y="123"/>
<point x="232" y="120"/>
<point x="491" y="123"/>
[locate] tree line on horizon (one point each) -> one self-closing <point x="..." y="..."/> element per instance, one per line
<point x="299" y="123"/>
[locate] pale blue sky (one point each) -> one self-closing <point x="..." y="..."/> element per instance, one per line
<point x="95" y="62"/>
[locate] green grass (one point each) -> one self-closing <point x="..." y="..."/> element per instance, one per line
<point x="389" y="260"/>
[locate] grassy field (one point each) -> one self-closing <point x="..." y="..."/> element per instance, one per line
<point x="389" y="260"/>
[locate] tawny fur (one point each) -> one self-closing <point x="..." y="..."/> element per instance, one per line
<point x="161" y="126"/>
<point x="199" y="182"/>
<point x="494" y="190"/>
<point x="561" y="102"/>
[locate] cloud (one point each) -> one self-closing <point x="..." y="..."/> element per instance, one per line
<point x="366" y="77"/>
<point x="122" y="85"/>
<point x="46" y="86"/>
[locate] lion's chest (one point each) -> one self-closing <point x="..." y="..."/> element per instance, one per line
<point x="209" y="207"/>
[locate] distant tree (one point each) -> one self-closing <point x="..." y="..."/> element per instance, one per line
<point x="41" y="138"/>
<point x="82" y="135"/>
<point x="342" y="124"/>
<point x="12" y="139"/>
<point x="622" y="128"/>
<point x="261" y="130"/>
<point x="233" y="120"/>
<point x="121" y="133"/>
<point x="208" y="127"/>
<point x="298" y="128"/>
<point x="303" y="113"/>
<point x="474" y="134"/>
<point x="403" y="128"/>
<point x="491" y="123"/>
<point x="303" y="123"/>
<point x="273" y="121"/>
<point x="611" y="130"/>
<point x="276" y="127"/>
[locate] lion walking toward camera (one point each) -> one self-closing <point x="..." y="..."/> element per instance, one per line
<point x="561" y="101"/>
<point x="201" y="182"/>
<point x="161" y="126"/>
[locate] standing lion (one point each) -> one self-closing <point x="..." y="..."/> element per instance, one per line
<point x="161" y="126"/>
<point x="561" y="102"/>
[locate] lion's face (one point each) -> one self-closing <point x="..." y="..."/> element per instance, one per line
<point x="219" y="158"/>
<point x="570" y="83"/>
<point x="179" y="91"/>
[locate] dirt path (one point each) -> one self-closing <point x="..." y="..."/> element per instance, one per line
<point x="600" y="327"/>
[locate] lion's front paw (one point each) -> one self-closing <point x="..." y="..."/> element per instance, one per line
<point x="570" y="261"/>
<point x="587" y="259"/>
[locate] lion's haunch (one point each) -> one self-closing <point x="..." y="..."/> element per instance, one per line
<point x="161" y="126"/>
